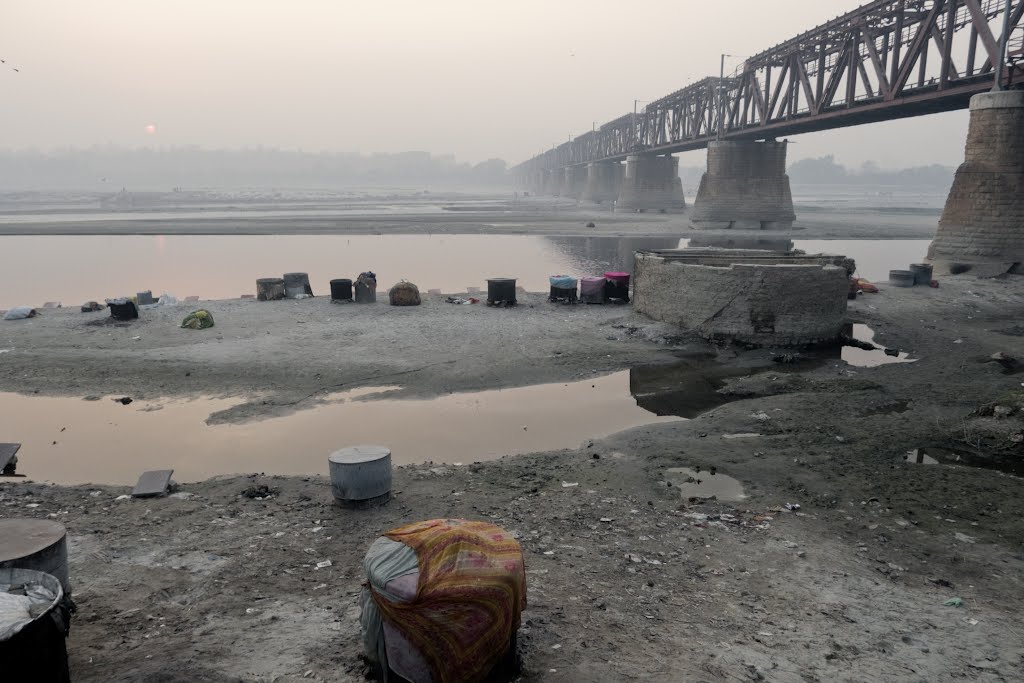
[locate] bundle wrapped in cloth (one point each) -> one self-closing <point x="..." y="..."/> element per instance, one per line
<point x="444" y="600"/>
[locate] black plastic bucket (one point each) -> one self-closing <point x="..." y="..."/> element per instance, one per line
<point x="501" y="291"/>
<point x="922" y="273"/>
<point x="126" y="310"/>
<point x="341" y="290"/>
<point x="38" y="651"/>
<point x="563" y="294"/>
<point x="616" y="290"/>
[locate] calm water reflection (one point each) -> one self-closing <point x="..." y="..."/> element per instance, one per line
<point x="73" y="269"/>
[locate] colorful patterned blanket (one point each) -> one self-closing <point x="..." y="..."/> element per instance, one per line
<point x="469" y="599"/>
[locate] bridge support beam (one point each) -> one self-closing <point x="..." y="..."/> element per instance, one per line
<point x="745" y="188"/>
<point x="983" y="221"/>
<point x="575" y="179"/>
<point x="553" y="180"/>
<point x="604" y="179"/>
<point x="535" y="183"/>
<point x="651" y="183"/>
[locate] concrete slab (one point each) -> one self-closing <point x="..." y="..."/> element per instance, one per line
<point x="7" y="453"/>
<point x="152" y="483"/>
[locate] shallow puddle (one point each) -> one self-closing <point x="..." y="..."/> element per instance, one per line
<point x="932" y="455"/>
<point x="693" y="483"/>
<point x="863" y="358"/>
<point x="685" y="388"/>
<point x="70" y="440"/>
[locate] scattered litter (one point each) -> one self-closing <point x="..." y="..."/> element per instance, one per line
<point x="954" y="602"/>
<point x="323" y="565"/>
<point x="633" y="557"/>
<point x="258" y="492"/>
<point x="866" y="286"/>
<point x="461" y="301"/>
<point x="198" y="320"/>
<point x="123" y="497"/>
<point x="181" y="495"/>
<point x="136" y="338"/>
<point x="569" y="485"/>
<point x="792" y="507"/>
<point x="972" y="622"/>
<point x="745" y="435"/>
<point x="20" y="313"/>
<point x="549" y="552"/>
<point x="556" y="647"/>
<point x="607" y="520"/>
<point x="92" y="307"/>
<point x="761" y="416"/>
<point x="122" y="308"/>
<point x="964" y="538"/>
<point x="124" y="400"/>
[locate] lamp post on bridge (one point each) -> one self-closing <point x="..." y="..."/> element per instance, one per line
<point x="998" y="85"/>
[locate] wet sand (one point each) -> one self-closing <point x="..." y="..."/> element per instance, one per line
<point x="483" y="215"/>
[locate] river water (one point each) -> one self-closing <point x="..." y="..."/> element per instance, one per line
<point x="73" y="269"/>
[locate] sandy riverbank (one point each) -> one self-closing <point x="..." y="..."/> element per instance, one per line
<point x="221" y="587"/>
<point x="816" y="219"/>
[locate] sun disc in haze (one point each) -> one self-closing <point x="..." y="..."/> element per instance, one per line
<point x="151" y="129"/>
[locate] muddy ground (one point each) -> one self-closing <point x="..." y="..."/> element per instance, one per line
<point x="287" y="355"/>
<point x="628" y="580"/>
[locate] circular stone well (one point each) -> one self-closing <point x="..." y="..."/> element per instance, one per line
<point x="753" y="297"/>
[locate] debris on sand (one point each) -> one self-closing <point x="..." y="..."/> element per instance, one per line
<point x="258" y="492"/>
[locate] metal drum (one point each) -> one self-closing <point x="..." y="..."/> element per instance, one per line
<point x="563" y="288"/>
<point x="617" y="286"/>
<point x="341" y="290"/>
<point x="270" y="288"/>
<point x="360" y="475"/>
<point x="296" y="285"/>
<point x="38" y="544"/>
<point x="592" y="290"/>
<point x="901" y="278"/>
<point x="922" y="273"/>
<point x="501" y="291"/>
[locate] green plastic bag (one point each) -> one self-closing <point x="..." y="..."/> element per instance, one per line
<point x="198" y="320"/>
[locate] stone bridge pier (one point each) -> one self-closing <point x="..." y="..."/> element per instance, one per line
<point x="604" y="181"/>
<point x="535" y="183"/>
<point x="982" y="225"/>
<point x="554" y="178"/>
<point x="651" y="183"/>
<point x="575" y="179"/>
<point x="744" y="188"/>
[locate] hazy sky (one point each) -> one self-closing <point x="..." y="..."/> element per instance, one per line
<point x="477" y="78"/>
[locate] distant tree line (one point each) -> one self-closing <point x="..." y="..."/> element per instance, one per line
<point x="112" y="167"/>
<point x="825" y="171"/>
